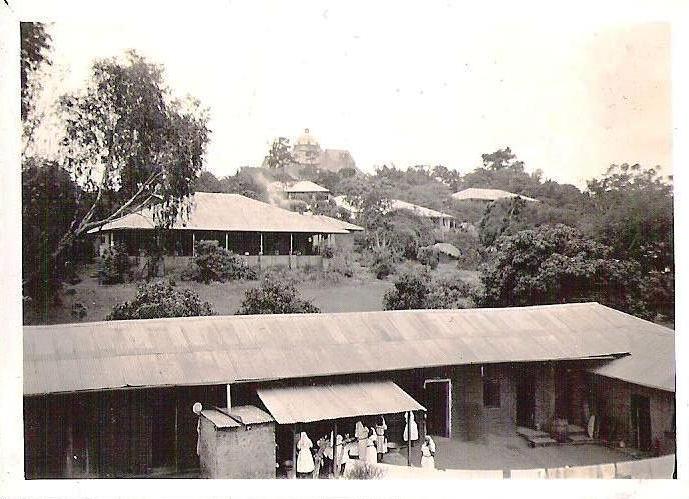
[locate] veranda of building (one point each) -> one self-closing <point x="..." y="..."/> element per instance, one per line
<point x="113" y="399"/>
<point x="259" y="232"/>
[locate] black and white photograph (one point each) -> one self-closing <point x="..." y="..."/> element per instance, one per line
<point x="340" y="242"/>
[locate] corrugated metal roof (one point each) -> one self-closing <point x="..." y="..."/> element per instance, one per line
<point x="336" y="222"/>
<point x="219" y="419"/>
<point x="487" y="195"/>
<point x="216" y="350"/>
<point x="230" y="212"/>
<point x="236" y="416"/>
<point x="305" y="404"/>
<point x="652" y="359"/>
<point x="422" y="211"/>
<point x="305" y="186"/>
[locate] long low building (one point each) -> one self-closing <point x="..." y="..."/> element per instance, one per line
<point x="247" y="227"/>
<point x="114" y="399"/>
<point x="480" y="194"/>
<point x="444" y="221"/>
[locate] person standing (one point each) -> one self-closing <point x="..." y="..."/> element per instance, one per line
<point x="305" y="464"/>
<point x="318" y="458"/>
<point x="411" y="430"/>
<point x="381" y="441"/>
<point x="428" y="453"/>
<point x="347" y="446"/>
<point x="361" y="434"/>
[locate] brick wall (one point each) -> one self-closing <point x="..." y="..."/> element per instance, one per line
<point x="470" y="419"/>
<point x="244" y="452"/>
<point x="612" y="399"/>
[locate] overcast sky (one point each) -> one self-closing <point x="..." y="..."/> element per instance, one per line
<point x="423" y="84"/>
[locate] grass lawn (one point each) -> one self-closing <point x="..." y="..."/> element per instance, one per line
<point x="363" y="292"/>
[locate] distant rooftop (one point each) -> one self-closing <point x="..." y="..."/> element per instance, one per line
<point x="305" y="186"/>
<point x="422" y="211"/>
<point x="475" y="193"/>
<point x="397" y="204"/>
<point x="230" y="212"/>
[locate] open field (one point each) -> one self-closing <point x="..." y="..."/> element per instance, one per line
<point x="363" y="292"/>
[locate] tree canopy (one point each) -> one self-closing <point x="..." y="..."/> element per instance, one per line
<point x="415" y="288"/>
<point x="279" y="154"/>
<point x="557" y="264"/>
<point x="131" y="143"/>
<point x="35" y="47"/>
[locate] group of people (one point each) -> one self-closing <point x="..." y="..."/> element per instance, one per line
<point x="367" y="444"/>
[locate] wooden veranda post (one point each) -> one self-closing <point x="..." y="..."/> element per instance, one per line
<point x="408" y="416"/>
<point x="227" y="241"/>
<point x="294" y="451"/>
<point x="336" y="468"/>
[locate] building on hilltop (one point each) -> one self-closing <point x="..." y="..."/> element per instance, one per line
<point x="310" y="159"/>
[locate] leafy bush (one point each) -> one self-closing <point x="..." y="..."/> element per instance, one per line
<point x="78" y="311"/>
<point x="114" y="264"/>
<point x="383" y="262"/>
<point x="363" y="471"/>
<point x="410" y="290"/>
<point x="275" y="296"/>
<point x="214" y="263"/>
<point x="448" y="291"/>
<point x="342" y="264"/>
<point x="414" y="288"/>
<point x="428" y="255"/>
<point x="328" y="251"/>
<point x="159" y="299"/>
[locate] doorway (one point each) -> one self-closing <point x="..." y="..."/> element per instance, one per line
<point x="526" y="400"/>
<point x="438" y="398"/>
<point x="164" y="430"/>
<point x="641" y="422"/>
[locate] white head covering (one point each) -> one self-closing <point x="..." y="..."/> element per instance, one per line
<point x="430" y="443"/>
<point x="304" y="441"/>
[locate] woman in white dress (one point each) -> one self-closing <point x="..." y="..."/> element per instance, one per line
<point x="305" y="463"/>
<point x="361" y="434"/>
<point x="411" y="430"/>
<point x="428" y="453"/>
<point x="381" y="441"/>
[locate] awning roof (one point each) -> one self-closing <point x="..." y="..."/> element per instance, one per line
<point x="305" y="404"/>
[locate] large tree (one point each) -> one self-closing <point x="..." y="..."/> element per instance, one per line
<point x="632" y="212"/>
<point x="35" y="49"/>
<point x="280" y="154"/>
<point x="48" y="208"/>
<point x="557" y="264"/>
<point x="131" y="144"/>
